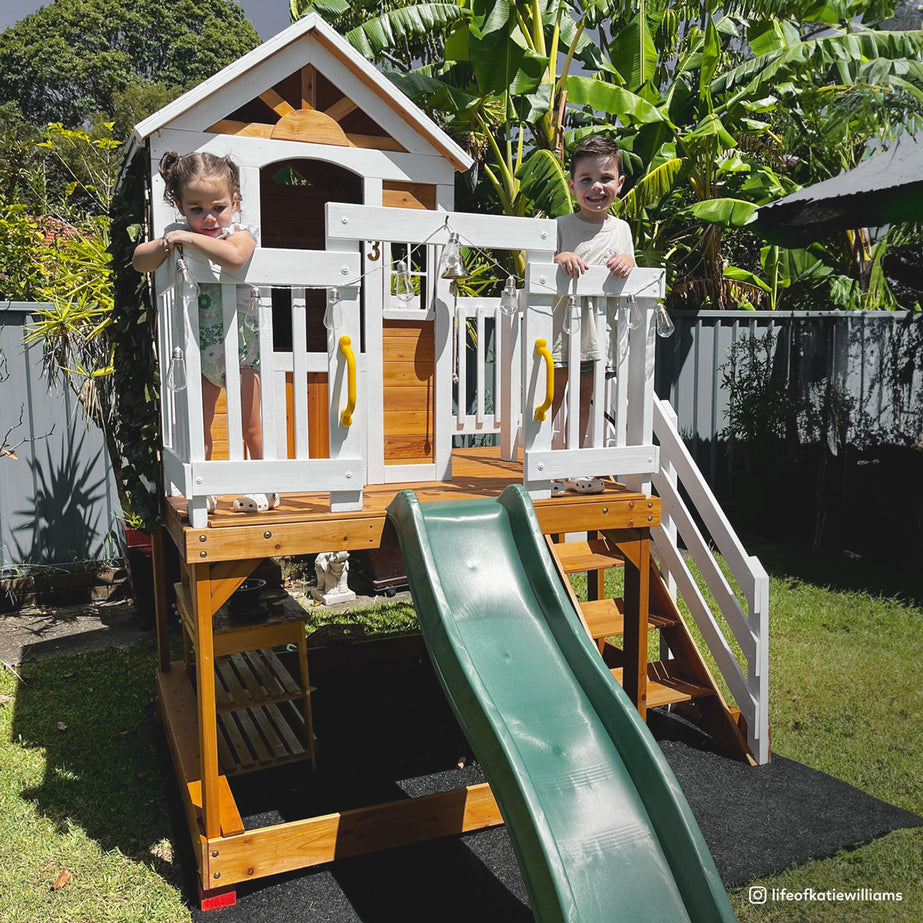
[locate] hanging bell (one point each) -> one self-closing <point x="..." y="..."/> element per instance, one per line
<point x="183" y="270"/>
<point x="451" y="265"/>
<point x="509" y="301"/>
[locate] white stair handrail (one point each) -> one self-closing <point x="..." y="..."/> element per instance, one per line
<point x="751" y="628"/>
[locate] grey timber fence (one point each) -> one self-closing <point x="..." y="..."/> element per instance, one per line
<point x="58" y="503"/>
<point x="872" y="360"/>
<point x="59" y="506"/>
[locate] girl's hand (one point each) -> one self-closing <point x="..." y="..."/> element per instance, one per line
<point x="232" y="251"/>
<point x="176" y="240"/>
<point x="572" y="264"/>
<point x="620" y="265"/>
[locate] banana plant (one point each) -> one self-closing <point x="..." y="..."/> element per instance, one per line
<point x="710" y="132"/>
<point x="498" y="86"/>
<point x="705" y="101"/>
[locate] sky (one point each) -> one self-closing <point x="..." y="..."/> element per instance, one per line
<point x="271" y="16"/>
<point x="267" y="16"/>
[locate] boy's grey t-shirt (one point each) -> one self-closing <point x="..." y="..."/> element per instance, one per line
<point x="594" y="243"/>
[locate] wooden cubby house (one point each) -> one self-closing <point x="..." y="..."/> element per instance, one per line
<point x="364" y="393"/>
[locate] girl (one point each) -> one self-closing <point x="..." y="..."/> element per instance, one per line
<point x="205" y="189"/>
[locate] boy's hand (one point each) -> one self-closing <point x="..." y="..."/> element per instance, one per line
<point x="620" y="265"/>
<point x="572" y="264"/>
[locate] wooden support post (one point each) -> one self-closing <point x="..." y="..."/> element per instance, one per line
<point x="205" y="687"/>
<point x="160" y="599"/>
<point x="637" y="607"/>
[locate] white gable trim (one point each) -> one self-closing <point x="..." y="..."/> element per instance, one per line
<point x="251" y="74"/>
<point x="258" y="152"/>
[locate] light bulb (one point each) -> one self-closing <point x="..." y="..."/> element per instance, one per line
<point x="509" y="301"/>
<point x="451" y="265"/>
<point x="176" y="373"/>
<point x="571" y="323"/>
<point x="333" y="313"/>
<point x="635" y="313"/>
<point x="403" y="285"/>
<point x="188" y="287"/>
<point x="252" y="313"/>
<point x="665" y="325"/>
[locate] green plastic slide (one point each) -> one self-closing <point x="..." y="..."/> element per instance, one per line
<point x="600" y="827"/>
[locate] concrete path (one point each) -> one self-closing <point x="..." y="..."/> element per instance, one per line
<point x="43" y="632"/>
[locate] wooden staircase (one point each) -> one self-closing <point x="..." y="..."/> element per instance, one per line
<point x="680" y="677"/>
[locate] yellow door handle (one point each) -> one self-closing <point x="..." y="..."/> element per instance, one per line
<point x="541" y="349"/>
<point x="346" y="417"/>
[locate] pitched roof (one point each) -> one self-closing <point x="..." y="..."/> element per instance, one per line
<point x="885" y="189"/>
<point x="318" y="29"/>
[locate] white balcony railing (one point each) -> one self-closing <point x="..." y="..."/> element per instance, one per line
<point x="619" y="439"/>
<point x="186" y="469"/>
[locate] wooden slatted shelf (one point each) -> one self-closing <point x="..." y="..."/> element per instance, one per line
<point x="595" y="554"/>
<point x="260" y="737"/>
<point x="252" y="678"/>
<point x="605" y="618"/>
<point x="263" y="711"/>
<point x="666" y="689"/>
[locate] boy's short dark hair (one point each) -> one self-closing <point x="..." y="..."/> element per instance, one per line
<point x="595" y="146"/>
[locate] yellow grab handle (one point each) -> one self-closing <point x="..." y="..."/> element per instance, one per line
<point x="346" y="417"/>
<point x="541" y="348"/>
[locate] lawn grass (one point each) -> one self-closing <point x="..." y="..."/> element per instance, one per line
<point x="82" y="788"/>
<point x="846" y="698"/>
<point x="91" y="797"/>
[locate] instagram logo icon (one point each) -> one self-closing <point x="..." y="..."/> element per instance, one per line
<point x="757" y="894"/>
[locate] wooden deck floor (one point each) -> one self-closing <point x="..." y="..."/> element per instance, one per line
<point x="303" y="523"/>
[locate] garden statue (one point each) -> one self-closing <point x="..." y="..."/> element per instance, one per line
<point x="332" y="570"/>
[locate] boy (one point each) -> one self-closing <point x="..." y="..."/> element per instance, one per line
<point x="589" y="236"/>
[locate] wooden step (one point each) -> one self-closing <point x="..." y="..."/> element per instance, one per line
<point x="595" y="554"/>
<point x="666" y="689"/>
<point x="605" y="618"/>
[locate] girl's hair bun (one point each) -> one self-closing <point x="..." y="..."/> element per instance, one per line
<point x="168" y="162"/>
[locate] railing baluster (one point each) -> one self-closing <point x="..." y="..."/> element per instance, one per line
<point x="508" y="384"/>
<point x="500" y="375"/>
<point x="481" y="377"/>
<point x="171" y="400"/>
<point x="300" y="371"/>
<point x="461" y="363"/>
<point x="598" y="407"/>
<point x="269" y="400"/>
<point x="192" y="357"/>
<point x="572" y="432"/>
<point x="232" y="372"/>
